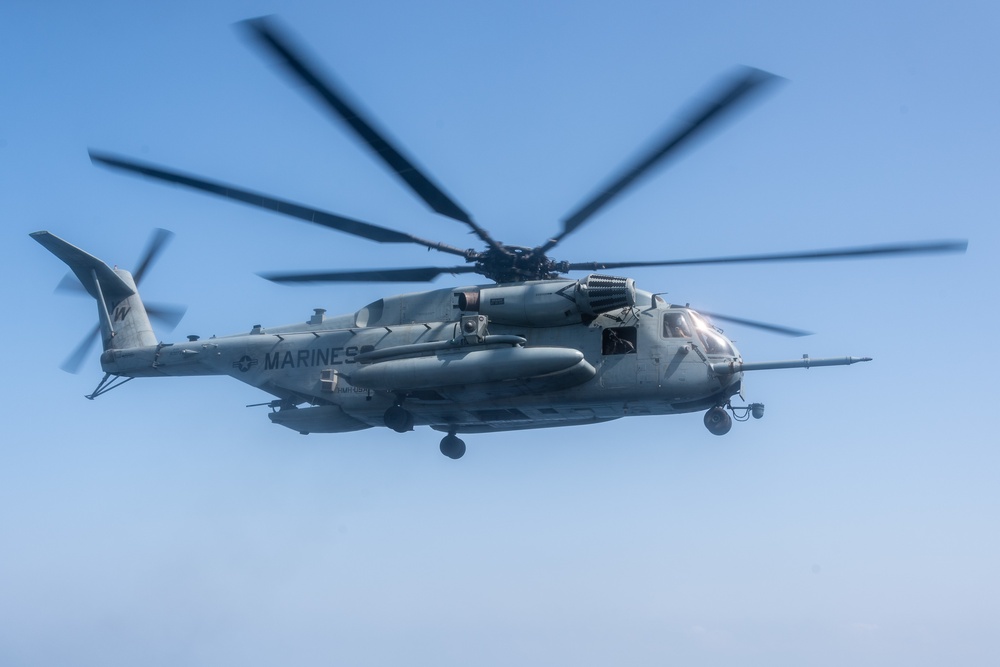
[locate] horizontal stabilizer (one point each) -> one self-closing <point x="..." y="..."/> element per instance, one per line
<point x="86" y="267"/>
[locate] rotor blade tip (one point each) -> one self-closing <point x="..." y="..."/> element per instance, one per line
<point x="762" y="75"/>
<point x="281" y="279"/>
<point x="101" y="158"/>
<point x="256" y="26"/>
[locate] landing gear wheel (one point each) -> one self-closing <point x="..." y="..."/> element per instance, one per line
<point x="398" y="419"/>
<point x="718" y="421"/>
<point x="452" y="446"/>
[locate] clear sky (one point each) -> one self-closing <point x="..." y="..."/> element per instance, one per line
<point x="167" y="524"/>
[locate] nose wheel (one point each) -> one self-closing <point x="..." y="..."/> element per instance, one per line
<point x="718" y="421"/>
<point x="452" y="446"/>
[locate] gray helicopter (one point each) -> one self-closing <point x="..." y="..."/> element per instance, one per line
<point x="532" y="349"/>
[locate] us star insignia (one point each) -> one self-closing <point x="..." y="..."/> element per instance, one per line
<point x="245" y="363"/>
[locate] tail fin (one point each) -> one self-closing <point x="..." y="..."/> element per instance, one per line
<point x="123" y="319"/>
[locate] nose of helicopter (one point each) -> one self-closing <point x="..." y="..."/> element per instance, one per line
<point x="718" y="347"/>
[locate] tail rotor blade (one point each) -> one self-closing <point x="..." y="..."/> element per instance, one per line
<point x="75" y="359"/>
<point x="157" y="243"/>
<point x="167" y="314"/>
<point x="70" y="284"/>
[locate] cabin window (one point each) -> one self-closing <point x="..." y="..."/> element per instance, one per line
<point x="621" y="340"/>
<point x="675" y="325"/>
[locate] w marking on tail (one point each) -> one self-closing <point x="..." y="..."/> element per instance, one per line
<point x="121" y="313"/>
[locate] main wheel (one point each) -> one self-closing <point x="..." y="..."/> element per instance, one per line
<point x="398" y="419"/>
<point x="452" y="446"/>
<point x="718" y="421"/>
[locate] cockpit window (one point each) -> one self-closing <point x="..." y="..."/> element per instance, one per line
<point x="714" y="342"/>
<point x="675" y="325"/>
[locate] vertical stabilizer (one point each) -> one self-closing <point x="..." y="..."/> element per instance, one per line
<point x="129" y="322"/>
<point x="123" y="319"/>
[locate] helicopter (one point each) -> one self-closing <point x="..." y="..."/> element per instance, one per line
<point x="531" y="349"/>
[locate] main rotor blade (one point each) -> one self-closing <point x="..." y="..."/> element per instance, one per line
<point x="773" y="328"/>
<point x="922" y="248"/>
<point x="157" y="243"/>
<point x="340" y="223"/>
<point x="414" y="275"/>
<point x="737" y="90"/>
<point x="76" y="357"/>
<point x="277" y="41"/>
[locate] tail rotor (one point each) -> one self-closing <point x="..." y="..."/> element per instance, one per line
<point x="166" y="314"/>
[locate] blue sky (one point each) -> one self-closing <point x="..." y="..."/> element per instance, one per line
<point x="165" y="523"/>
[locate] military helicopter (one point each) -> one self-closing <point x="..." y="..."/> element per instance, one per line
<point x="531" y="349"/>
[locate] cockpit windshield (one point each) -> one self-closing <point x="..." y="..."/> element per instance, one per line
<point x="688" y="324"/>
<point x="714" y="342"/>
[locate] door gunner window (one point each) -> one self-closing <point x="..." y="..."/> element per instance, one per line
<point x="675" y="325"/>
<point x="619" y="341"/>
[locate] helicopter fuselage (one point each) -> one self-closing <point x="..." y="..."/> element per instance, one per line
<point x="472" y="359"/>
<point x="462" y="371"/>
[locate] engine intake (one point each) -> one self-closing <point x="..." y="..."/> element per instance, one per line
<point x="550" y="302"/>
